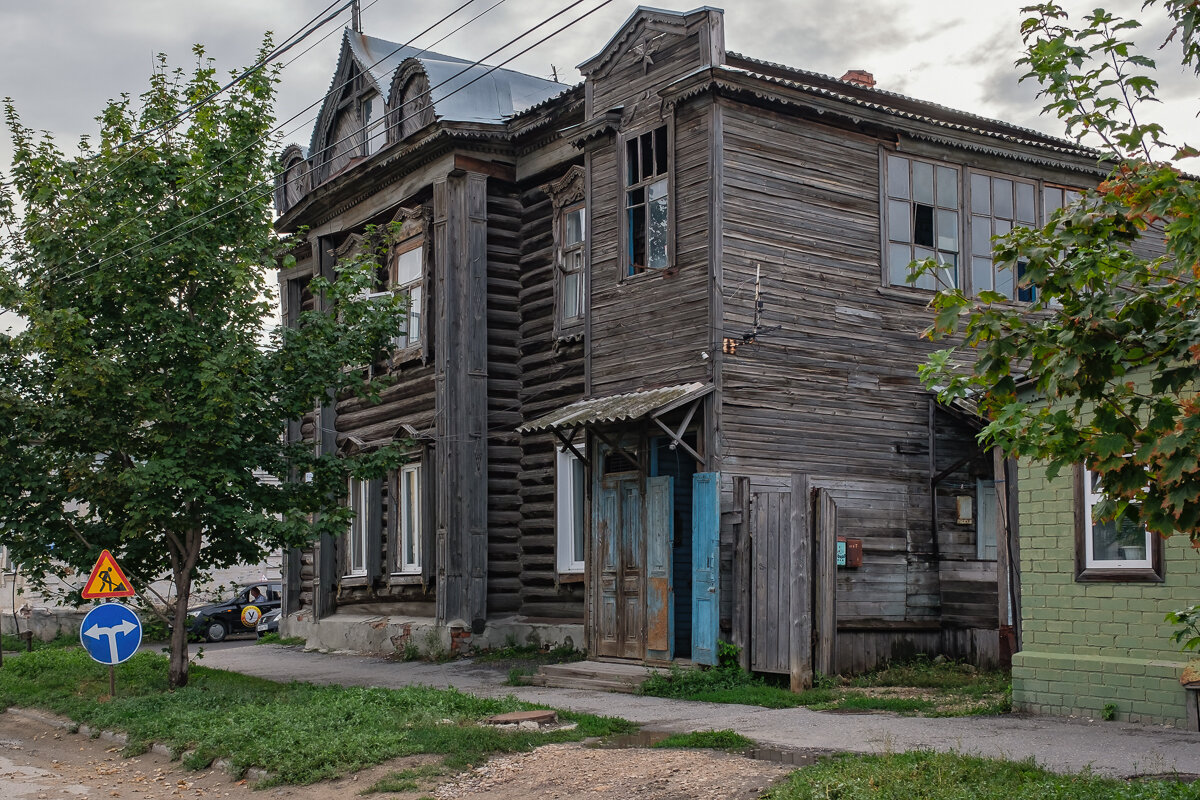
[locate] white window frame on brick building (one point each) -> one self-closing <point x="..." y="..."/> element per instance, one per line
<point x="1097" y="556"/>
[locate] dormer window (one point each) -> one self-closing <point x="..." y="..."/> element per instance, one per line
<point x="412" y="102"/>
<point x="374" y="117"/>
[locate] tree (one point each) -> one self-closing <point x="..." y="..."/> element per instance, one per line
<point x="1104" y="366"/>
<point x="146" y="390"/>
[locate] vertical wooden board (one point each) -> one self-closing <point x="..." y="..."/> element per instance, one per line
<point x="775" y="611"/>
<point x="824" y="657"/>
<point x="632" y="571"/>
<point x="742" y="569"/>
<point x="758" y="632"/>
<point x="374" y="529"/>
<point x="660" y="611"/>
<point x="799" y="609"/>
<point x="606" y="526"/>
<point x="706" y="543"/>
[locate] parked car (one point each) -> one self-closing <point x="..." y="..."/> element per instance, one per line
<point x="269" y="623"/>
<point x="240" y="615"/>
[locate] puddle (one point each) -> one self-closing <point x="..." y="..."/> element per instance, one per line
<point x="794" y="757"/>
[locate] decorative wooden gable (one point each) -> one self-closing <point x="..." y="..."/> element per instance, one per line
<point x="352" y="111"/>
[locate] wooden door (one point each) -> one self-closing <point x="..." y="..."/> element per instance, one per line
<point x="706" y="544"/>
<point x="660" y="593"/>
<point x="619" y="612"/>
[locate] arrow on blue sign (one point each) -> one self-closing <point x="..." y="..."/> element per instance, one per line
<point x="111" y="633"/>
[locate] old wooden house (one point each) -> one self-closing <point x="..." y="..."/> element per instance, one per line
<point x="660" y="368"/>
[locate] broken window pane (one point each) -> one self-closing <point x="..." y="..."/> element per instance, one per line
<point x="656" y="235"/>
<point x="922" y="224"/>
<point x="660" y="151"/>
<point x="633" y="175"/>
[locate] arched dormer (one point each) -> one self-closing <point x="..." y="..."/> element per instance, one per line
<point x="411" y="106"/>
<point x="292" y="182"/>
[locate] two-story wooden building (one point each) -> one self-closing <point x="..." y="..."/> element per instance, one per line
<point x="660" y="369"/>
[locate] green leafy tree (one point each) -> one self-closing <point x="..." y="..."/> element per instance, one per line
<point x="1103" y="367"/>
<point x="149" y="389"/>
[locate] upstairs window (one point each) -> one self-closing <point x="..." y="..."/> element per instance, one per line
<point x="646" y="202"/>
<point x="408" y="272"/>
<point x="1056" y="197"/>
<point x="573" y="230"/>
<point x="374" y="117"/>
<point x="922" y="220"/>
<point x="997" y="206"/>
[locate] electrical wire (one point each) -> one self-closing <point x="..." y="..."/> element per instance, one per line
<point x="150" y="245"/>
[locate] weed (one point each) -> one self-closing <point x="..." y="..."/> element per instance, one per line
<point x="532" y="652"/>
<point x="518" y="676"/>
<point x="950" y="776"/>
<point x="287" y="641"/>
<point x="407" y="780"/>
<point x="434" y="649"/>
<point x="1109" y="712"/>
<point x="712" y="740"/>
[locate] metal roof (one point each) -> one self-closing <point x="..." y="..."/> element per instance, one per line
<point x="617" y="407"/>
<point x="493" y="97"/>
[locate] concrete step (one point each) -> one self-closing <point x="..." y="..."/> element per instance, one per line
<point x="598" y="675"/>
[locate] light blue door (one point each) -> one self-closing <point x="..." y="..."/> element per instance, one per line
<point x="706" y="515"/>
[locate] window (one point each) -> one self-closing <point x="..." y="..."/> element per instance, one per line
<point x="570" y="266"/>
<point x="374" y="118"/>
<point x="409" y="492"/>
<point x="997" y="206"/>
<point x="646" y="204"/>
<point x="922" y="220"/>
<point x="408" y="272"/>
<point x="356" y="545"/>
<point x="1119" y="549"/>
<point x="569" y="510"/>
<point x="1056" y="197"/>
<point x="987" y="512"/>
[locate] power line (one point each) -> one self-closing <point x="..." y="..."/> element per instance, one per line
<point x="150" y="244"/>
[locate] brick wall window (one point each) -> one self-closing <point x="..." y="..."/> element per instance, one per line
<point x="1111" y="550"/>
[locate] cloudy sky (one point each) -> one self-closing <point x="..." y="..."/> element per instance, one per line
<point x="60" y="60"/>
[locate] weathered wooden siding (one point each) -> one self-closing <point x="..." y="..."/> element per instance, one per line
<point x="830" y="388"/>
<point x="503" y="401"/>
<point x="551" y="377"/>
<point x="632" y="81"/>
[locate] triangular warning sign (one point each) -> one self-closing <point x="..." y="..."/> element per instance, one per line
<point x="106" y="580"/>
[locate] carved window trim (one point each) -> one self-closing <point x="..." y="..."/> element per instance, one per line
<point x="411" y="102"/>
<point x="567" y="197"/>
<point x="409" y="229"/>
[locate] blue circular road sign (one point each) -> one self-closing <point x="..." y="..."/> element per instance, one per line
<point x="111" y="633"/>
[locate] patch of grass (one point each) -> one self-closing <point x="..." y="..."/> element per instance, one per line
<point x="275" y="638"/>
<point x="919" y="687"/>
<point x="407" y="780"/>
<point x="519" y="676"/>
<point x="298" y="732"/>
<point x="924" y="775"/>
<point x="712" y="740"/>
<point x="11" y="642"/>
<point x="532" y="652"/>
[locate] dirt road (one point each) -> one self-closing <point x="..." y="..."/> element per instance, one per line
<point x="40" y="761"/>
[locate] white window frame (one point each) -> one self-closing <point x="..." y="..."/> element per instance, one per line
<point x="1091" y="498"/>
<point x="408" y="528"/>
<point x="359" y="498"/>
<point x="571" y="261"/>
<point x="569" y="504"/>
<point x="413" y="287"/>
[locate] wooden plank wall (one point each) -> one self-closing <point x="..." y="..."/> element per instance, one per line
<point x="503" y="402"/>
<point x="631" y="81"/>
<point x="551" y="377"/>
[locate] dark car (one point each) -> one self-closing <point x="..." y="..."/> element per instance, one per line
<point x="269" y="623"/>
<point x="239" y="615"/>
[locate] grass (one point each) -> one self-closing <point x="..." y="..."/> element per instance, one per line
<point x="924" y="775"/>
<point x="407" y="780"/>
<point x="297" y="732"/>
<point x="275" y="638"/>
<point x="916" y="687"/>
<point x="10" y="642"/>
<point x="712" y="740"/>
<point x="532" y="653"/>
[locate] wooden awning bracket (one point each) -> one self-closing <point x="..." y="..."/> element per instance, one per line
<point x="616" y="448"/>
<point x="567" y="443"/>
<point x="677" y="435"/>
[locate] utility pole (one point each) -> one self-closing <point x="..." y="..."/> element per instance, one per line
<point x="355" y="16"/>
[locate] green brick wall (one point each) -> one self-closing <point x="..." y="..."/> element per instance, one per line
<point x="1088" y="644"/>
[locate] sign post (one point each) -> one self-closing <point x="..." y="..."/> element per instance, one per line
<point x="111" y="633"/>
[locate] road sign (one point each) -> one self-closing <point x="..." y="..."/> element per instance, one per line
<point x="251" y="615"/>
<point x="106" y="580"/>
<point x="111" y="633"/>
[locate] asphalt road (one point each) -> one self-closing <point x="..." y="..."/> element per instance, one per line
<point x="1108" y="748"/>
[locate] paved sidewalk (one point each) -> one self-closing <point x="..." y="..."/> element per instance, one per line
<point x="1109" y="748"/>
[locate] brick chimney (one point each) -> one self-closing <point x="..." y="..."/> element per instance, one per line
<point x="860" y="76"/>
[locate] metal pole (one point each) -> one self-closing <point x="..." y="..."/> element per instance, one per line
<point x="112" y="681"/>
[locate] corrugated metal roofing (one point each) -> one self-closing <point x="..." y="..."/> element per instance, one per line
<point x="614" y="408"/>
<point x="494" y="97"/>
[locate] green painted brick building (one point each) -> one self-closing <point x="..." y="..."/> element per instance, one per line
<point x="1093" y="598"/>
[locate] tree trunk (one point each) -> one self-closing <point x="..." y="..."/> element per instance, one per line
<point x="178" y="674"/>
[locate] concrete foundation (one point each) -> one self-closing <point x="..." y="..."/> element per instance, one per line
<point x="46" y="623"/>
<point x="369" y="633"/>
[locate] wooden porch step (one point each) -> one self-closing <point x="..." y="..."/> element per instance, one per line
<point x="605" y="676"/>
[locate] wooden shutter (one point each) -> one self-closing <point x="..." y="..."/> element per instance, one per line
<point x="428" y="489"/>
<point x="373" y="522"/>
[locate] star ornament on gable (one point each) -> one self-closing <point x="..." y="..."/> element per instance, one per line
<point x="645" y="50"/>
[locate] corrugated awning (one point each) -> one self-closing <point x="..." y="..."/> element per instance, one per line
<point x="618" y="407"/>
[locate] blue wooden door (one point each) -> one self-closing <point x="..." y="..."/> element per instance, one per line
<point x="706" y="515"/>
<point x="660" y="597"/>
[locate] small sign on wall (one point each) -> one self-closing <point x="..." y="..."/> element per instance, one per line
<point x="849" y="552"/>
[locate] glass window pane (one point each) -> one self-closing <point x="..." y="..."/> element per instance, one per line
<point x="926" y="281"/>
<point x="899" y="257"/>
<point x="408" y="266"/>
<point x="577" y="507"/>
<point x="899" y="224"/>
<point x="656" y="233"/>
<point x="1052" y="198"/>
<point x="897" y="177"/>
<point x="637" y="239"/>
<point x="1002" y="198"/>
<point x="1070" y="197"/>
<point x="981" y="274"/>
<point x="413" y="323"/>
<point x="922" y="182"/>
<point x="1003" y="226"/>
<point x="660" y="151"/>
<point x="573" y="227"/>
<point x="981" y="236"/>
<point x="922" y="224"/>
<point x="981" y="194"/>
<point x="947" y="187"/>
<point x="1004" y="282"/>
<point x="570" y="295"/>
<point x="1025" y="203"/>
<point x="947" y="230"/>
<point x="948" y="274"/>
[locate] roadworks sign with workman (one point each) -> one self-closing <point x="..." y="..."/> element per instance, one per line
<point x="106" y="580"/>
